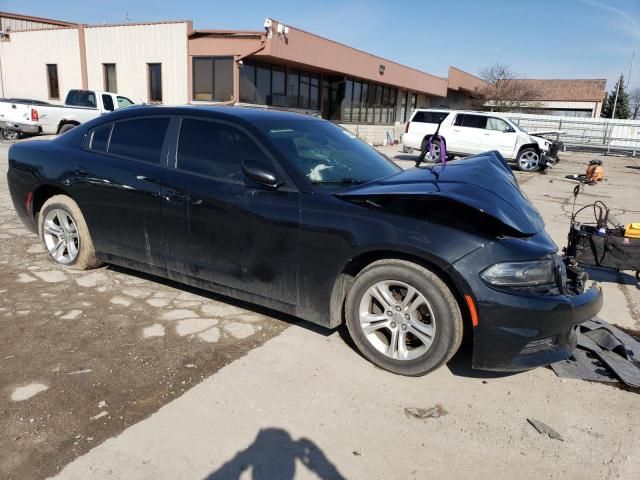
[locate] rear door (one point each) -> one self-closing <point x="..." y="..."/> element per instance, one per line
<point x="499" y="135"/>
<point x="118" y="187"/>
<point x="222" y="226"/>
<point x="467" y="134"/>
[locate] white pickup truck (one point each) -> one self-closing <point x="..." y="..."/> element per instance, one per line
<point x="34" y="117"/>
<point x="469" y="133"/>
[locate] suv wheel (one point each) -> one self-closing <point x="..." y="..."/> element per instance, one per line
<point x="432" y="156"/>
<point x="528" y="160"/>
<point x="403" y="317"/>
<point x="65" y="235"/>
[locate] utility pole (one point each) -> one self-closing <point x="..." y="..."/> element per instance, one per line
<point x="615" y="101"/>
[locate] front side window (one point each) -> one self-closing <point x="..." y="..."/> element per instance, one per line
<point x="329" y="156"/>
<point x="497" y="124"/>
<point x="140" y="139"/>
<point x="107" y="101"/>
<point x="52" y="81"/>
<point x="215" y="149"/>
<point x="123" y="102"/>
<point x="110" y="80"/>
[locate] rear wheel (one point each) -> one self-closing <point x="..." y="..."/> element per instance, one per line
<point x="433" y="155"/>
<point x="65" y="128"/>
<point x="403" y="317"/>
<point x="7" y="134"/>
<point x="528" y="160"/>
<point x="65" y="235"/>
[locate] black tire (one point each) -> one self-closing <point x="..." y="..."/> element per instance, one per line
<point x="65" y="128"/>
<point x="446" y="314"/>
<point x="531" y="157"/>
<point x="436" y="151"/>
<point x="9" y="135"/>
<point x="86" y="256"/>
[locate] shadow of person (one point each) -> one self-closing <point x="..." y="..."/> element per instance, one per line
<point x="273" y="455"/>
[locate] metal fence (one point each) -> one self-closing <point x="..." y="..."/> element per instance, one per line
<point x="620" y="136"/>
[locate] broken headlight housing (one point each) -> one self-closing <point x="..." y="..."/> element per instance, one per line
<point x="547" y="275"/>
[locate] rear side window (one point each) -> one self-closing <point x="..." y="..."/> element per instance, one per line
<point x="215" y="149"/>
<point x="81" y="98"/>
<point x="429" y="117"/>
<point x="471" y="121"/>
<point x="140" y="139"/>
<point x="98" y="139"/>
<point x="107" y="101"/>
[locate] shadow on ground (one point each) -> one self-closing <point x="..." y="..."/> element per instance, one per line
<point x="273" y="455"/>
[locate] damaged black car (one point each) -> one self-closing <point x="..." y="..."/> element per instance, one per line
<point x="298" y="215"/>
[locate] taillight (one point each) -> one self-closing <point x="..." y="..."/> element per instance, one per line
<point x="406" y="127"/>
<point x="34" y="115"/>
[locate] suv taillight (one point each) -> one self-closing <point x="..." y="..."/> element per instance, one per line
<point x="406" y="127"/>
<point x="34" y="115"/>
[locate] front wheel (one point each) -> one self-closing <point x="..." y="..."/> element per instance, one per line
<point x="64" y="234"/>
<point x="528" y="160"/>
<point x="403" y="317"/>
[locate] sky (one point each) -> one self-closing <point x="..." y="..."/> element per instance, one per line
<point x="536" y="38"/>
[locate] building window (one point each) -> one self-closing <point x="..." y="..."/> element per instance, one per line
<point x="155" y="82"/>
<point x="109" y="74"/>
<point x="52" y="81"/>
<point x="266" y="84"/>
<point x="403" y="106"/>
<point x="213" y="79"/>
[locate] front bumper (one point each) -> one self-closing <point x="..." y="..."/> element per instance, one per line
<point x="19" y="127"/>
<point x="517" y="332"/>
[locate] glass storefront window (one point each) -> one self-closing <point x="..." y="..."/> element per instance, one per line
<point x="314" y="95"/>
<point x="293" y="91"/>
<point x="278" y="87"/>
<point x="248" y="83"/>
<point x="355" y="109"/>
<point x="213" y="78"/>
<point x="263" y="85"/>
<point x="304" y="90"/>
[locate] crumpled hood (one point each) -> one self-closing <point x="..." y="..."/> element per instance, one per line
<point x="484" y="182"/>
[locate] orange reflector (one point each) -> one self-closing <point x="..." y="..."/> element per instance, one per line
<point x="472" y="310"/>
<point x="28" y="201"/>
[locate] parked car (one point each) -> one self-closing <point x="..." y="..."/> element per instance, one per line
<point x="470" y="133"/>
<point x="297" y="214"/>
<point x="34" y="117"/>
<point x="8" y="104"/>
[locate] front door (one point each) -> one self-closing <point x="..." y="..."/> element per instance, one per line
<point x="223" y="227"/>
<point x="499" y="135"/>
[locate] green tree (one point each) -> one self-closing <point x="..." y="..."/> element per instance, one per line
<point x="622" y="105"/>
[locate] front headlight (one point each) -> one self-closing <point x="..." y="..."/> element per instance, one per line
<point x="521" y="274"/>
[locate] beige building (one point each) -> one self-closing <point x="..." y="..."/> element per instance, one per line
<point x="278" y="66"/>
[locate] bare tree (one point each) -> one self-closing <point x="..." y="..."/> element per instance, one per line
<point x="504" y="92"/>
<point x="634" y="103"/>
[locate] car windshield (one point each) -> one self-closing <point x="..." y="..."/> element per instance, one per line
<point x="516" y="126"/>
<point x="329" y="156"/>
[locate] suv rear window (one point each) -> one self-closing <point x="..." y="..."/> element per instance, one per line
<point x="140" y="139"/>
<point x="429" y="117"/>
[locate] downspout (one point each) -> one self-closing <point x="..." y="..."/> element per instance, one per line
<point x="236" y="73"/>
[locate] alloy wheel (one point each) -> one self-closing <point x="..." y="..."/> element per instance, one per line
<point x="529" y="161"/>
<point x="61" y="236"/>
<point x="397" y="320"/>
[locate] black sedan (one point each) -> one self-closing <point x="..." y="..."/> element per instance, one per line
<point x="297" y="214"/>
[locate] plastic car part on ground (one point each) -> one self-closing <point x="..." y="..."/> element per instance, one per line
<point x="604" y="354"/>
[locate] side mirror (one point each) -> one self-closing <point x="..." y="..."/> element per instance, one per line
<point x="262" y="173"/>
<point x="508" y="130"/>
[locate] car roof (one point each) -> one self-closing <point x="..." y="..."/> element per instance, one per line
<point x="473" y="112"/>
<point x="248" y="114"/>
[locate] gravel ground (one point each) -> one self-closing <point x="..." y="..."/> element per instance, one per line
<point x="85" y="355"/>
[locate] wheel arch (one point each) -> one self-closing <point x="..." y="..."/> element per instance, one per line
<point x="44" y="193"/>
<point x="62" y="123"/>
<point x="356" y="264"/>
<point x="528" y="145"/>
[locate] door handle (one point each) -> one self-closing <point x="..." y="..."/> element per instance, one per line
<point x="175" y="197"/>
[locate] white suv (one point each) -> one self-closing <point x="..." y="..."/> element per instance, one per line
<point x="469" y="133"/>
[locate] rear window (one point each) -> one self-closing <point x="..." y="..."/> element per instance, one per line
<point x="140" y="139"/>
<point x="81" y="98"/>
<point x="429" y="117"/>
